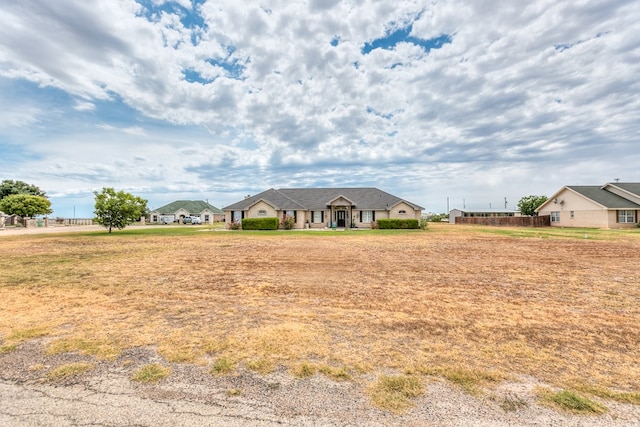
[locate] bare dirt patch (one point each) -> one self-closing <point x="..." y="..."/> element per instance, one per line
<point x="447" y="303"/>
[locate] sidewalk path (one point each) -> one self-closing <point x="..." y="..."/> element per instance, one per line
<point x="112" y="402"/>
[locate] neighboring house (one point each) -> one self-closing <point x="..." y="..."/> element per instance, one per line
<point x="480" y="213"/>
<point x="613" y="205"/>
<point x="181" y="208"/>
<point x="324" y="207"/>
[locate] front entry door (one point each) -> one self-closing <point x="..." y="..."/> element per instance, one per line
<point x="341" y="217"/>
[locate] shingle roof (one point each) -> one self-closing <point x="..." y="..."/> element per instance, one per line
<point x="631" y="187"/>
<point x="318" y="198"/>
<point x="604" y="197"/>
<point x="191" y="206"/>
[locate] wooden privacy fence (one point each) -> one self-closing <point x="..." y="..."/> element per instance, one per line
<point x="507" y="221"/>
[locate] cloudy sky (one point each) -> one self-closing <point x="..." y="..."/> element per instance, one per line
<point x="443" y="103"/>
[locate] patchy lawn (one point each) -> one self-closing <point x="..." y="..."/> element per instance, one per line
<point x="559" y="306"/>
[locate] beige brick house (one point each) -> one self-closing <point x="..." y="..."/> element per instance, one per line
<point x="324" y="207"/>
<point x="174" y="211"/>
<point x="613" y="205"/>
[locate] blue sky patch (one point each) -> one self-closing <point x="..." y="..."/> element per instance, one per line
<point x="190" y="18"/>
<point x="195" y="77"/>
<point x="371" y="110"/>
<point x="403" y="36"/>
<point x="233" y="68"/>
<point x="564" y="46"/>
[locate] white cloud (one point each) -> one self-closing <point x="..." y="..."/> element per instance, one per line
<point x="287" y="93"/>
<point x="132" y="130"/>
<point x="84" y="106"/>
<point x="18" y="117"/>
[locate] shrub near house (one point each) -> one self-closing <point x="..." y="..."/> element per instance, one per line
<point x="390" y="223"/>
<point x="260" y="223"/>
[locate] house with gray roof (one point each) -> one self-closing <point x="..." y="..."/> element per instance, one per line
<point x="324" y="207"/>
<point x="612" y="205"/>
<point x="174" y="212"/>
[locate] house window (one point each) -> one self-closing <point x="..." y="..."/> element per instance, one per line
<point x="571" y="214"/>
<point x="555" y="216"/>
<point x="262" y="212"/>
<point x="237" y="216"/>
<point x="317" y="217"/>
<point x="291" y="214"/>
<point x="402" y="212"/>
<point x="155" y="218"/>
<point x="206" y="218"/>
<point x="366" y="216"/>
<point x="628" y="217"/>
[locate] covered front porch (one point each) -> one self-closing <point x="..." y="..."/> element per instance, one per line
<point x="341" y="213"/>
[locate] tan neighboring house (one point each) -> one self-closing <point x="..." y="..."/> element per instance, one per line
<point x="174" y="212"/>
<point x="324" y="207"/>
<point x="613" y="205"/>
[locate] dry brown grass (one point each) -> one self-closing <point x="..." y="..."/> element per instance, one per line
<point x="435" y="302"/>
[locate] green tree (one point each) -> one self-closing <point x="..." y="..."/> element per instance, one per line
<point x="528" y="204"/>
<point x="9" y="187"/>
<point x="25" y="205"/>
<point x="438" y="217"/>
<point x="117" y="209"/>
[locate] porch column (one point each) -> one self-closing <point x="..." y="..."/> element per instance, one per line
<point x="331" y="219"/>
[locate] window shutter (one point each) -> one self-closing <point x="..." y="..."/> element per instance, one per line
<point x="373" y="215"/>
<point x="321" y="216"/>
<point x="295" y="216"/>
<point x="242" y="215"/>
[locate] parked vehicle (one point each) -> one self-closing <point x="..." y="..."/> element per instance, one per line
<point x="190" y="220"/>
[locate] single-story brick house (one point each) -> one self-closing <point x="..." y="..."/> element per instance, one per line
<point x="181" y="208"/>
<point x="613" y="205"/>
<point x="324" y="207"/>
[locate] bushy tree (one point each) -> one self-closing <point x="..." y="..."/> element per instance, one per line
<point x="438" y="217"/>
<point x="528" y="204"/>
<point x="288" y="222"/>
<point x="9" y="187"/>
<point x="25" y="205"/>
<point x="117" y="209"/>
